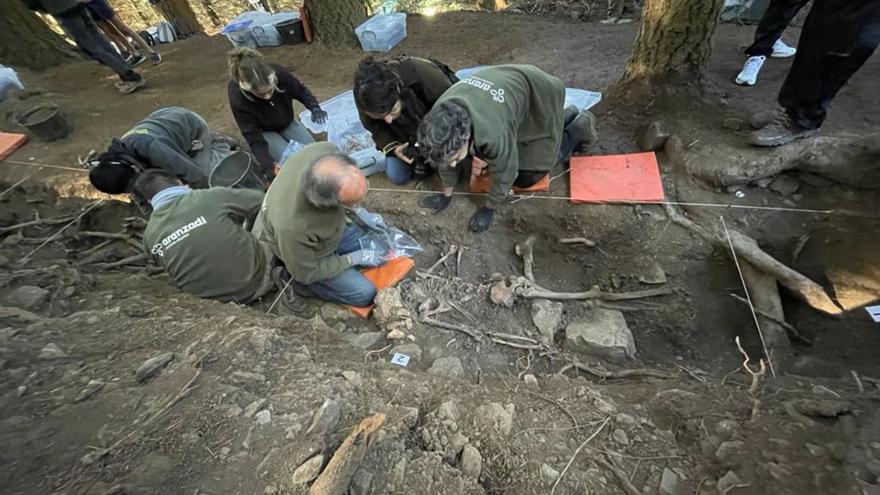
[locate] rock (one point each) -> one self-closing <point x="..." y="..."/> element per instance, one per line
<point x="52" y="351"/>
<point x="761" y="119"/>
<point x="325" y="419"/>
<point x="549" y="474"/>
<point x="247" y="376"/>
<point x="354" y="377"/>
<point x="332" y="313"/>
<point x="91" y="389"/>
<point x="530" y="380"/>
<point x="361" y="482"/>
<point x="152" y="366"/>
<point x="602" y="333"/>
<point x="734" y="124"/>
<point x="391" y="314"/>
<point x="729" y="453"/>
<point x="395" y="335"/>
<point x="496" y="417"/>
<point x="823" y="408"/>
<point x="253" y="407"/>
<point x="19" y="314"/>
<point x="626" y="419"/>
<point x="471" y="461"/>
<point x="21" y="391"/>
<point x="728" y="429"/>
<point x="817" y="450"/>
<point x="670" y="484"/>
<point x="620" y="436"/>
<point x="447" y="366"/>
<point x="502" y="295"/>
<point x="366" y="340"/>
<point x="547" y="316"/>
<point x="308" y="471"/>
<point x="28" y="297"/>
<point x="785" y="185"/>
<point x="654" y="275"/>
<point x="412" y="350"/>
<point x="4" y="261"/>
<point x="653" y="137"/>
<point x="728" y="482"/>
<point x="264" y="417"/>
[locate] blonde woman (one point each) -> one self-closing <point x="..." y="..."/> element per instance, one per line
<point x="261" y="98"/>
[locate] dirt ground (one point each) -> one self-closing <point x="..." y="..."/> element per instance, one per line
<point x="231" y="412"/>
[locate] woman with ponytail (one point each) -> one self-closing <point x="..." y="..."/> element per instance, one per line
<point x="261" y="98"/>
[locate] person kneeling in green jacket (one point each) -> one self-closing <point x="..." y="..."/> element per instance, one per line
<point x="510" y="119"/>
<point x="199" y="238"/>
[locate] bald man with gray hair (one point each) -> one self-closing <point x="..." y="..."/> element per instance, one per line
<point x="305" y="221"/>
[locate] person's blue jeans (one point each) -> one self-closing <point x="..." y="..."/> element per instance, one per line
<point x="349" y="287"/>
<point x="398" y="171"/>
<point x="278" y="140"/>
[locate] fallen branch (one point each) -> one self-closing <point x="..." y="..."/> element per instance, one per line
<point x="748" y="249"/>
<point x="336" y="477"/>
<point x="576" y="452"/>
<point x="620" y="374"/>
<point x="628" y="487"/>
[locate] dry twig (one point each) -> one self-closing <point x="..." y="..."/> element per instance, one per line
<point x="576" y="452"/>
<point x="606" y="375"/>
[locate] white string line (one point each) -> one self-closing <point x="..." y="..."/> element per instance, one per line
<point x="38" y="164"/>
<point x="520" y="197"/>
<point x="280" y="293"/>
<point x="19" y="182"/>
<point x="53" y="236"/>
<point x="748" y="296"/>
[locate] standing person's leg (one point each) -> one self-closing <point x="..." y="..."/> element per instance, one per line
<point x="85" y="33"/>
<point x="297" y="132"/>
<point x="398" y="171"/>
<point x="144" y="48"/>
<point x="615" y="11"/>
<point x="776" y="18"/>
<point x="116" y="37"/>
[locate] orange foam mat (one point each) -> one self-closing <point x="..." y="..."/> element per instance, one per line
<point x="483" y="183"/>
<point x="387" y="275"/>
<point x="10" y="142"/>
<point x="611" y="178"/>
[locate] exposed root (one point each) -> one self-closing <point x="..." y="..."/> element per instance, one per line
<point x="609" y="375"/>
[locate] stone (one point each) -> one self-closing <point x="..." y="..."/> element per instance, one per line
<point x="325" y="419"/>
<point x="670" y="484"/>
<point x="333" y="312"/>
<point x="626" y="419"/>
<point x="761" y="119"/>
<point x="817" y="450"/>
<point x="654" y="275"/>
<point x="602" y="333"/>
<point x="734" y="124"/>
<point x="263" y="417"/>
<point x="308" y="471"/>
<point x="547" y="316"/>
<point x="51" y="352"/>
<point x="21" y="391"/>
<point x="28" y="297"/>
<point x="253" y="407"/>
<point x="247" y="376"/>
<point x="620" y="436"/>
<point x="412" y="350"/>
<point x="91" y="389"/>
<point x="785" y="185"/>
<point x="530" y="380"/>
<point x="390" y="314"/>
<point x="502" y="295"/>
<point x="361" y="482"/>
<point x="823" y="408"/>
<point x="729" y="453"/>
<point x="728" y="429"/>
<point x="354" y="377"/>
<point x="549" y="474"/>
<point x="152" y="366"/>
<point x="366" y="340"/>
<point x="471" y="463"/>
<point x="728" y="482"/>
<point x="447" y="366"/>
<point x="653" y="137"/>
<point x="496" y="417"/>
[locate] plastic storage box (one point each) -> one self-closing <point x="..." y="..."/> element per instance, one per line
<point x="265" y="32"/>
<point x="239" y="32"/>
<point x="382" y="32"/>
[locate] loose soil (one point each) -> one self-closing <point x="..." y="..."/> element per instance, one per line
<point x="168" y="435"/>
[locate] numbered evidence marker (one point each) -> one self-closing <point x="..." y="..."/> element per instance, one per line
<point x="400" y="359"/>
<point x="874" y="311"/>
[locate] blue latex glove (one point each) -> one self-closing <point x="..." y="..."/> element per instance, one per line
<point x="319" y="116"/>
<point x="481" y="219"/>
<point x="372" y="220"/>
<point x="366" y="257"/>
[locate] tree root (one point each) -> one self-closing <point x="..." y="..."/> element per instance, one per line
<point x="620" y="374"/>
<point x="336" y="477"/>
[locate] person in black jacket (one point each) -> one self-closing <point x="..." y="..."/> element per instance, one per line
<point x="392" y="98"/>
<point x="261" y="98"/>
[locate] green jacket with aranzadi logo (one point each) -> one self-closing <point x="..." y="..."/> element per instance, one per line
<point x="517" y="114"/>
<point x="200" y="241"/>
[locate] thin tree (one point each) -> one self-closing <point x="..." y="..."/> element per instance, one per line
<point x="181" y="15"/>
<point x="26" y="40"/>
<point x="333" y="21"/>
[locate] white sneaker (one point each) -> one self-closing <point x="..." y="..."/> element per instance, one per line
<point x="749" y="75"/>
<point x="781" y="50"/>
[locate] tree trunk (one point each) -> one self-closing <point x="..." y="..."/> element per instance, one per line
<point x="333" y="21"/>
<point x="26" y="41"/>
<point x="674" y="40"/>
<point x="180" y="14"/>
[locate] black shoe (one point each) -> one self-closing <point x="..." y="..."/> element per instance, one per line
<point x="781" y="131"/>
<point x="289" y="298"/>
<point x="584" y="127"/>
<point x="568" y="115"/>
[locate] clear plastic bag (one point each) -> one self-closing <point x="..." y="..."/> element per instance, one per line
<point x="391" y="242"/>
